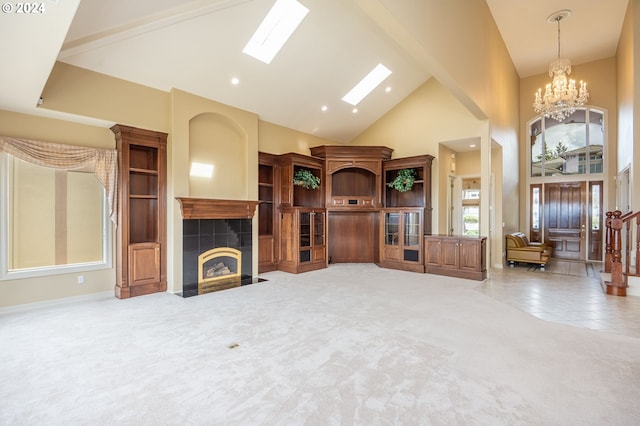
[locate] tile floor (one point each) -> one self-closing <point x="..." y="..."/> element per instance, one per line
<point x="566" y="299"/>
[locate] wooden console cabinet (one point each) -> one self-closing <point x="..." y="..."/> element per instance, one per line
<point x="141" y="264"/>
<point x="455" y="256"/>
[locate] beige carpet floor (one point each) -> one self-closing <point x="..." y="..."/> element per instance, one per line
<point x="351" y="344"/>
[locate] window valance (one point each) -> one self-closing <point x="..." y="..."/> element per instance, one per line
<point x="102" y="162"/>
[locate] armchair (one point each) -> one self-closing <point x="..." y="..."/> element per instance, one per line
<point x="519" y="249"/>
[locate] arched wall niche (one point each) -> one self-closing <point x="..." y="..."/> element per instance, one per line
<point x="217" y="140"/>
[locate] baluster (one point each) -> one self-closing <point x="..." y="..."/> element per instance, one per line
<point x="608" y="249"/>
<point x="627" y="251"/>
<point x="616" y="286"/>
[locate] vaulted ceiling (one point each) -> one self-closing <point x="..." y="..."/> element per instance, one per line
<point x="197" y="46"/>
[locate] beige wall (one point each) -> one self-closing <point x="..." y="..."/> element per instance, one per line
<point x="277" y="140"/>
<point x="467" y="55"/>
<point x="90" y="94"/>
<point x="29" y="290"/>
<point x="628" y="61"/>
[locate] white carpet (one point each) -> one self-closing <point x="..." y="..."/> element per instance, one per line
<point x="352" y="344"/>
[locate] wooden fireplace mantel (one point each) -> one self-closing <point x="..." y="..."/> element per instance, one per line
<point x="207" y="208"/>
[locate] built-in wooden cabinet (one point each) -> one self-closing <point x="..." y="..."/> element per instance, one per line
<point x="295" y="195"/>
<point x="355" y="216"/>
<point x="406" y="213"/>
<point x="141" y="232"/>
<point x="267" y="224"/>
<point x="302" y="239"/>
<point x="455" y="256"/>
<point x="301" y="216"/>
<point x="353" y="180"/>
<point x="353" y="176"/>
<point x="401" y="239"/>
<point x="419" y="195"/>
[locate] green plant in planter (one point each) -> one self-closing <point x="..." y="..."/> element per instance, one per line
<point x="306" y="179"/>
<point x="404" y="181"/>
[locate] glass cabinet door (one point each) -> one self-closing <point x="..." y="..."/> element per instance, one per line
<point x="305" y="229"/>
<point x="318" y="229"/>
<point x="411" y="229"/>
<point x="391" y="229"/>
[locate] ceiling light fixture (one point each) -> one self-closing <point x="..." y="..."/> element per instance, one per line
<point x="367" y="84"/>
<point x="561" y="97"/>
<point x="324" y="108"/>
<point x="355" y="110"/>
<point x="235" y="81"/>
<point x="276" y="28"/>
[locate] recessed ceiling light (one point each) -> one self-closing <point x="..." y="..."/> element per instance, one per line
<point x="324" y="108"/>
<point x="388" y="89"/>
<point x="473" y="145"/>
<point x="276" y="28"/>
<point x="235" y="81"/>
<point x="355" y="110"/>
<point x="201" y="170"/>
<point x="367" y="84"/>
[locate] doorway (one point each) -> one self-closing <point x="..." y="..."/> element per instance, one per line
<point x="568" y="217"/>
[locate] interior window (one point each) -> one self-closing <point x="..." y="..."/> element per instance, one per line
<point x="55" y="220"/>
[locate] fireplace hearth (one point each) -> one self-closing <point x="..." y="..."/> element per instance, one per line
<point x="216" y="245"/>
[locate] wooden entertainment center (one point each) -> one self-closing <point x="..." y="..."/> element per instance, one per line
<point x="354" y="216"/>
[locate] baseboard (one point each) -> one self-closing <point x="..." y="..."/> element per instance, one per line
<point x="53" y="302"/>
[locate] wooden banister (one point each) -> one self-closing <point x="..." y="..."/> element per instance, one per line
<point x="613" y="262"/>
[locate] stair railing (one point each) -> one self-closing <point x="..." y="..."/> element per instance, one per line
<point x="615" y="263"/>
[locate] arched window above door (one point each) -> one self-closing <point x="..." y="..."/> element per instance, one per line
<point x="573" y="146"/>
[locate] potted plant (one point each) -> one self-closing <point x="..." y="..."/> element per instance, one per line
<point x="306" y="179"/>
<point x="403" y="182"/>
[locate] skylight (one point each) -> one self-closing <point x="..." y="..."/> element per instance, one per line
<point x="276" y="28"/>
<point x="367" y="84"/>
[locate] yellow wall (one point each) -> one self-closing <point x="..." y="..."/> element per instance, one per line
<point x="277" y="140"/>
<point x="216" y="140"/>
<point x="628" y="60"/>
<point x="90" y="94"/>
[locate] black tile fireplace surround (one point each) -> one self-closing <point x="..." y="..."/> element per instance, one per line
<point x="201" y="235"/>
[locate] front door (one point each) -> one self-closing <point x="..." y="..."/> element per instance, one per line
<point x="565" y="219"/>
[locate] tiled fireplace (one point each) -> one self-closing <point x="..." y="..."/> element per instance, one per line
<point x="216" y="244"/>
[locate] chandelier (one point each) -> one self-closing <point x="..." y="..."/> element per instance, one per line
<point x="561" y="96"/>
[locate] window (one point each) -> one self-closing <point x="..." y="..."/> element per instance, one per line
<point x="574" y="146"/>
<point x="53" y="221"/>
<point x="471" y="206"/>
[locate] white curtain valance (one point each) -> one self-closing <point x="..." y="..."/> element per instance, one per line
<point x="102" y="162"/>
